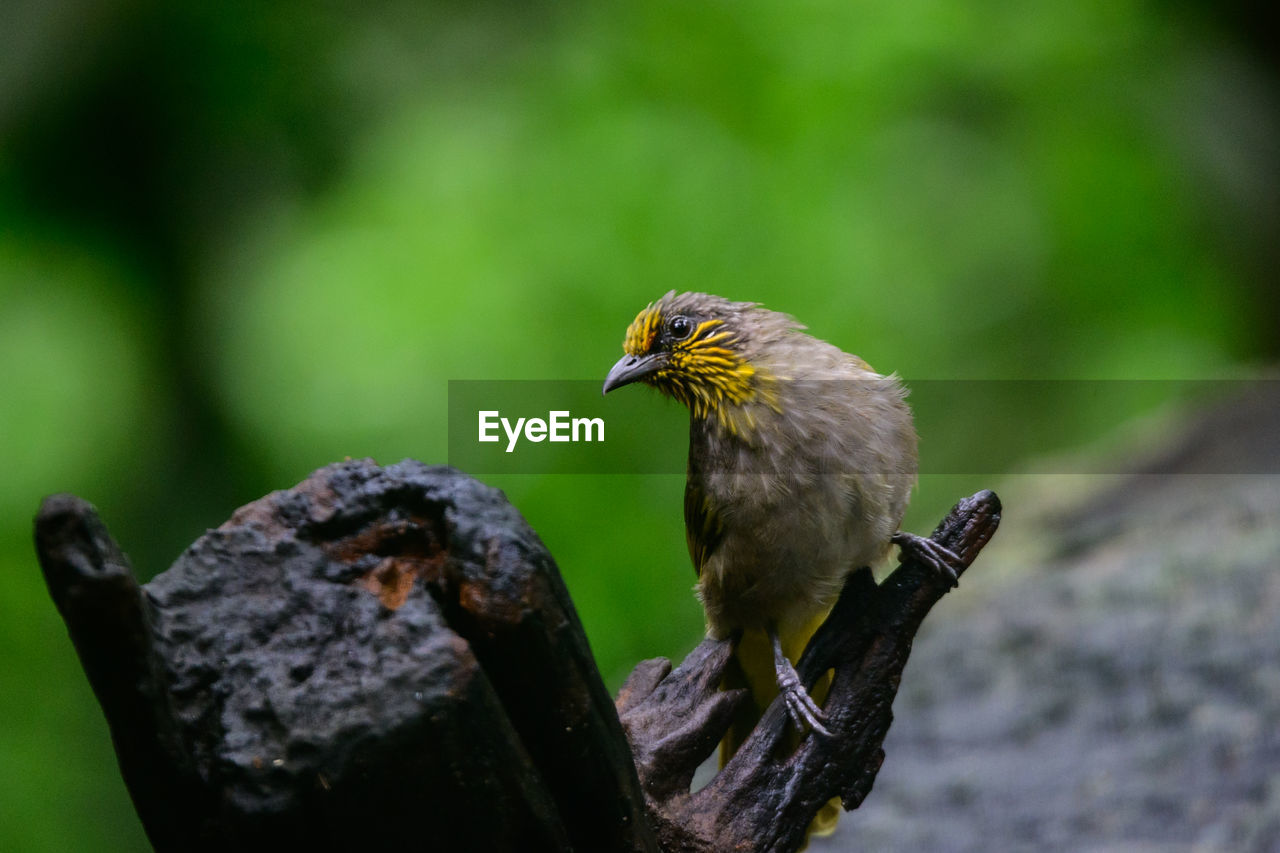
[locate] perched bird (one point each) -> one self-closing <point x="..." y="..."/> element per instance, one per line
<point x="801" y="461"/>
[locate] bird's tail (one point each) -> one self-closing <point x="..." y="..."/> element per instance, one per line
<point x="753" y="668"/>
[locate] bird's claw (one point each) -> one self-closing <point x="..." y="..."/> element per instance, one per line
<point x="804" y="712"/>
<point x="939" y="557"/>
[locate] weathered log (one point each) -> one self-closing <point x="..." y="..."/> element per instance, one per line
<point x="388" y="658"/>
<point x="377" y="658"/>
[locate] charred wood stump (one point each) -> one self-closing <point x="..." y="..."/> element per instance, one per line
<point x="375" y="659"/>
<point x="387" y="658"/>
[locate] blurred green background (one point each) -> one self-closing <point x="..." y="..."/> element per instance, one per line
<point x="239" y="241"/>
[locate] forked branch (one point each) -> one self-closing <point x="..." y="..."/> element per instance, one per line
<point x="764" y="798"/>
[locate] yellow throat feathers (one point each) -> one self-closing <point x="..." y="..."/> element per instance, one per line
<point x="705" y="372"/>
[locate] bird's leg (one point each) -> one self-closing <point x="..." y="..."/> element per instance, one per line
<point x="939" y="557"/>
<point x="800" y="705"/>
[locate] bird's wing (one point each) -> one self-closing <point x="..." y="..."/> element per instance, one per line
<point x="702" y="527"/>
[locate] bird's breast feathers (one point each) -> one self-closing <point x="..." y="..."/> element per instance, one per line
<point x="777" y="519"/>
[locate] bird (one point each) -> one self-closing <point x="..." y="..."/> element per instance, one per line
<point x="801" y="462"/>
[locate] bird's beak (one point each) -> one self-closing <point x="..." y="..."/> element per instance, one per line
<point x="631" y="368"/>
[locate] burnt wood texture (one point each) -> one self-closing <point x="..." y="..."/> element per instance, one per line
<point x="387" y="658"/>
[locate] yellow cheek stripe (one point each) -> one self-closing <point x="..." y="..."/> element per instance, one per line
<point x="704" y="326"/>
<point x="713" y="339"/>
<point x="714" y="381"/>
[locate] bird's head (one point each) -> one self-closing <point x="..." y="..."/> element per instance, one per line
<point x="702" y="350"/>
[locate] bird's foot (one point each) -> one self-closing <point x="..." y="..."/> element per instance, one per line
<point x="804" y="712"/>
<point x="942" y="559"/>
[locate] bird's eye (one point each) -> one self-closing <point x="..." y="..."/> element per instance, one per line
<point x="680" y="328"/>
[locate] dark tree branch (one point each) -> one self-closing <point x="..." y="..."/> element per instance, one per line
<point x="764" y="799"/>
<point x="388" y="659"/>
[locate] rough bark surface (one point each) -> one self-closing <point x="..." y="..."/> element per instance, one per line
<point x="377" y="658"/>
<point x="388" y="658"/>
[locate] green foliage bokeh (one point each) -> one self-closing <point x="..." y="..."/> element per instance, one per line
<point x="238" y="245"/>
